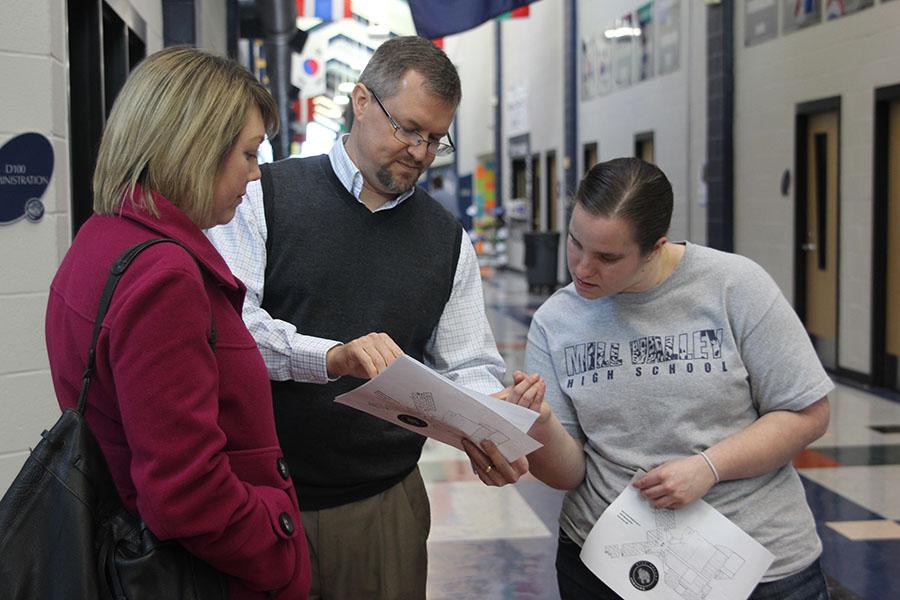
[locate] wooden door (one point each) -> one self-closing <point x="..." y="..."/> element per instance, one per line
<point x="892" y="258"/>
<point x="643" y="147"/>
<point x="537" y="223"/>
<point x="821" y="235"/>
<point x="590" y="156"/>
<point x="551" y="192"/>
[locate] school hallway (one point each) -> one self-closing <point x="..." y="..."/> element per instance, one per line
<point x="500" y="543"/>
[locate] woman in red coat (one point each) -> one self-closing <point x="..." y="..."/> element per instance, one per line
<point x="185" y="423"/>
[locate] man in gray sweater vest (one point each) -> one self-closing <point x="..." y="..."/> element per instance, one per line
<point x="333" y="248"/>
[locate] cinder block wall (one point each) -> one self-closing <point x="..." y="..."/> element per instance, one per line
<point x="849" y="57"/>
<point x="672" y="106"/>
<point x="34" y="98"/>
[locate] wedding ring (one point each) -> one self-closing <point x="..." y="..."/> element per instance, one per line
<point x="488" y="469"/>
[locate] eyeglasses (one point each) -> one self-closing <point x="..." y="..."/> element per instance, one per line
<point x="413" y="139"/>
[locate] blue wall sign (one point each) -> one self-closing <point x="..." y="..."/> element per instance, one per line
<point x="26" y="166"/>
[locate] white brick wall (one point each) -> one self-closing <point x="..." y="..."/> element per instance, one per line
<point x="34" y="98"/>
<point x="533" y="59"/>
<point x="849" y="57"/>
<point x="536" y="68"/>
<point x="30" y="31"/>
<point x="473" y="54"/>
<point x="693" y="213"/>
<point x="672" y="106"/>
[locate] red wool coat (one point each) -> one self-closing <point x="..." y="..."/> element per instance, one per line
<point x="188" y="430"/>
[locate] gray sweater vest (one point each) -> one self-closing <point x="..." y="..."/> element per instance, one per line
<point x="338" y="271"/>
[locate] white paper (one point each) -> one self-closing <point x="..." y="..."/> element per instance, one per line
<point x="411" y="395"/>
<point x="692" y="553"/>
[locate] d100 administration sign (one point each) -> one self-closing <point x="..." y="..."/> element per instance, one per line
<point x="26" y="166"/>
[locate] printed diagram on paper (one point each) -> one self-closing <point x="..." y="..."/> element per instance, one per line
<point x="694" y="553"/>
<point x="448" y="422"/>
<point x="690" y="562"/>
<point x="412" y="396"/>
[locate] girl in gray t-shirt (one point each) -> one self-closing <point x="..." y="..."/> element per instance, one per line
<point x="682" y="361"/>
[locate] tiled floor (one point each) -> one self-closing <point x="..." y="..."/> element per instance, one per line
<point x="492" y="544"/>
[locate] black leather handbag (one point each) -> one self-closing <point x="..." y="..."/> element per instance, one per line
<point x="64" y="532"/>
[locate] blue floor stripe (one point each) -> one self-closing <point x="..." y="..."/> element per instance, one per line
<point x="866" y="568"/>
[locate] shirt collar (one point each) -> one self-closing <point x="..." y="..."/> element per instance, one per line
<point x="174" y="223"/>
<point x="351" y="177"/>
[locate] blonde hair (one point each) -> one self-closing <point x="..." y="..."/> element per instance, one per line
<point x="172" y="125"/>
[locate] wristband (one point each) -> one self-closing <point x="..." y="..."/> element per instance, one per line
<point x="712" y="467"/>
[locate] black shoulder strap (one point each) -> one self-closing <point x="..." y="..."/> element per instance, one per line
<point x="115" y="273"/>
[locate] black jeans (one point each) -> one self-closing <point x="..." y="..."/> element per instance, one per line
<point x="576" y="582"/>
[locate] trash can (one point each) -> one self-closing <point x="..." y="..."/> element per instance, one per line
<point x="541" y="257"/>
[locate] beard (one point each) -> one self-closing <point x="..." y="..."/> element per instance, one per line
<point x="395" y="184"/>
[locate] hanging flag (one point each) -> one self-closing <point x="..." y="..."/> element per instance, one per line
<point x="514" y="14"/>
<point x="308" y="70"/>
<point x="437" y="18"/>
<point x="325" y="10"/>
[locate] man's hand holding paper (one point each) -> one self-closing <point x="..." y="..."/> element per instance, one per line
<point x="414" y="397"/>
<point x="487" y="462"/>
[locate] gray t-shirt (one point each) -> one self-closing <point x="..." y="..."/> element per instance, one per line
<point x="646" y="378"/>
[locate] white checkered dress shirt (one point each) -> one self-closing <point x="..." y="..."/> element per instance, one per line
<point x="461" y="347"/>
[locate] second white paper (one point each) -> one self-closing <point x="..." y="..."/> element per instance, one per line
<point x="690" y="553"/>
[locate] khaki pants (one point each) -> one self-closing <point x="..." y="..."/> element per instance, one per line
<point x="371" y="549"/>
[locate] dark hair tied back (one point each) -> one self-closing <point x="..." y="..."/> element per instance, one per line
<point x="632" y="190"/>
